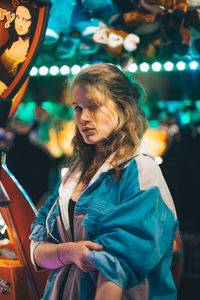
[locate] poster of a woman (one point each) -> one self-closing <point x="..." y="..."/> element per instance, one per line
<point x="14" y="51"/>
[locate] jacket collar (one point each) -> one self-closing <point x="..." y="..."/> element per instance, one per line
<point x="73" y="178"/>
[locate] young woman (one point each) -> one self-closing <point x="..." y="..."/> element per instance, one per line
<point x="108" y="230"/>
<point x="14" y="52"/>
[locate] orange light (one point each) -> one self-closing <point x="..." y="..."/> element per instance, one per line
<point x="156" y="141"/>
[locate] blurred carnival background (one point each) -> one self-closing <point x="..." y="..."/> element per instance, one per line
<point x="156" y="42"/>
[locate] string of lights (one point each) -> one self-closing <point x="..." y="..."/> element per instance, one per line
<point x="167" y="66"/>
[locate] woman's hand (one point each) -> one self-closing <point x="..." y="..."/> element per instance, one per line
<point x="53" y="256"/>
<point x="78" y="253"/>
<point x="3" y="87"/>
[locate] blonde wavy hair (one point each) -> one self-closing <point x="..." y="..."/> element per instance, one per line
<point x="108" y="85"/>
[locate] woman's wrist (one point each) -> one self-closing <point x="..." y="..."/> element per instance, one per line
<point x="58" y="255"/>
<point x="63" y="253"/>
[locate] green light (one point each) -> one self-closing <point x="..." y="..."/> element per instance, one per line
<point x="185" y="118"/>
<point x="156" y="66"/>
<point x="154" y="123"/>
<point x="197" y="104"/>
<point x="187" y="102"/>
<point x="146" y="110"/>
<point x="173" y="106"/>
<point x="161" y="104"/>
<point x="119" y="67"/>
<point x="25" y="112"/>
<point x="162" y="115"/>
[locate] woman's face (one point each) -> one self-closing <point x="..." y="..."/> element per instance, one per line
<point x="22" y="20"/>
<point x="93" y="130"/>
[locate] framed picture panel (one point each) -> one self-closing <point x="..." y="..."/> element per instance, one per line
<point x="22" y="29"/>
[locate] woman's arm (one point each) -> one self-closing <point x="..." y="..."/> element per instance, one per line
<point x="154" y="227"/>
<point x="53" y="256"/>
<point x="107" y="289"/>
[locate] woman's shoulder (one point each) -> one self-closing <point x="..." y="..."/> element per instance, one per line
<point x="44" y="209"/>
<point x="144" y="169"/>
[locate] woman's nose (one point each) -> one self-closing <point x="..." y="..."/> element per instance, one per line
<point x="85" y="115"/>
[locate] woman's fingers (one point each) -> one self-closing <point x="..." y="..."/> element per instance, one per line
<point x="79" y="254"/>
<point x="86" y="265"/>
<point x="93" y="246"/>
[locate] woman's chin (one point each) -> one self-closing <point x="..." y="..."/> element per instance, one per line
<point x="89" y="141"/>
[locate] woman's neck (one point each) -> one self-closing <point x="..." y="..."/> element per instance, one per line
<point x="23" y="38"/>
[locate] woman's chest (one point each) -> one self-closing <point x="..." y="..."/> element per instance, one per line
<point x="18" y="50"/>
<point x="79" y="189"/>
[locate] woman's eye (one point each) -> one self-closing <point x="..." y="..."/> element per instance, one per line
<point x="77" y="108"/>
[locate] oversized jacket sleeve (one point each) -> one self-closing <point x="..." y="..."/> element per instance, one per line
<point x="135" y="236"/>
<point x="38" y="227"/>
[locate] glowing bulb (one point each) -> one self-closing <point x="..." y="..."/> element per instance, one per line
<point x="156" y="66"/>
<point x="181" y="65"/>
<point x="158" y="160"/>
<point x="64" y="70"/>
<point x="168" y="66"/>
<point x="144" y="67"/>
<point x="193" y="65"/>
<point x="75" y="69"/>
<point x="63" y="172"/>
<point x="85" y="66"/>
<point x="133" y="68"/>
<point x="43" y="70"/>
<point x="185" y="118"/>
<point x="54" y="70"/>
<point x="33" y="71"/>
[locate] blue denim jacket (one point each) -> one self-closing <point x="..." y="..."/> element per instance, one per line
<point x="135" y="221"/>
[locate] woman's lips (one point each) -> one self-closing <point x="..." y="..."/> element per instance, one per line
<point x="87" y="130"/>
